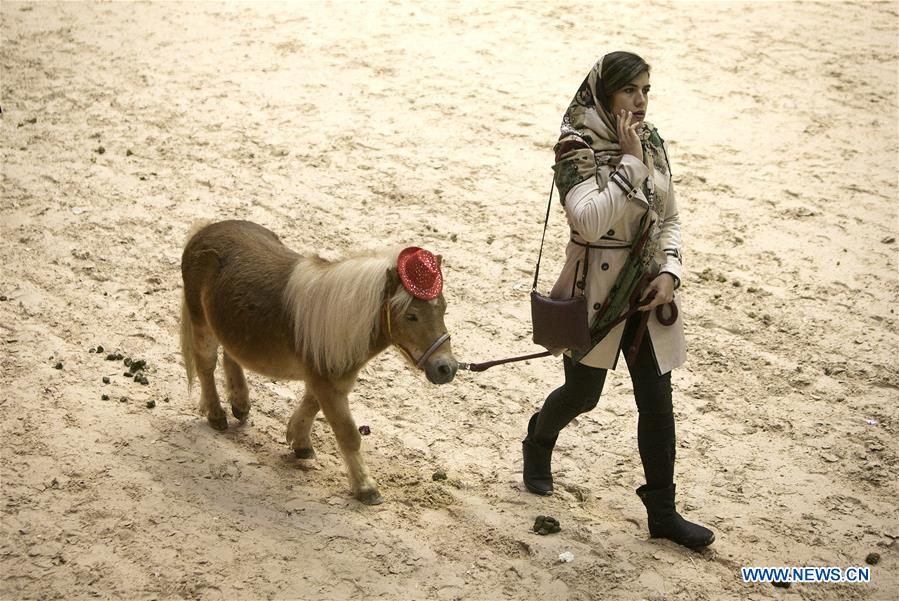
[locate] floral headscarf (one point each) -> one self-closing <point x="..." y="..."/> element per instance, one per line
<point x="587" y="119"/>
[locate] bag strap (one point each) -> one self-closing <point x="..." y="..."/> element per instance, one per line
<point x="549" y="205"/>
<point x="582" y="283"/>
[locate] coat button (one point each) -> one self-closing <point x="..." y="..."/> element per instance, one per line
<point x="596" y="306"/>
<point x="604" y="266"/>
<point x="610" y="233"/>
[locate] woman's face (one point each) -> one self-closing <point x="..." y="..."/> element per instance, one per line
<point x="633" y="97"/>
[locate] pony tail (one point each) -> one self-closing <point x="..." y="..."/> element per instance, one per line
<point x="187" y="330"/>
<point x="187" y="345"/>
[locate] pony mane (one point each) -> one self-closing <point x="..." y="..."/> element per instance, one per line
<point x="336" y="307"/>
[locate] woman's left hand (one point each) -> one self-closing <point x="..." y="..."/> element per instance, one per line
<point x="663" y="284"/>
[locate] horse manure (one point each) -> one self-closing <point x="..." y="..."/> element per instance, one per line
<point x="151" y="403"/>
<point x="546" y="524"/>
<point x="101" y="149"/>
<point x="127" y="361"/>
<point x="2" y="297"/>
<point x="781" y="584"/>
<point x="128" y="374"/>
<point x="143" y="380"/>
<point x="110" y="357"/>
<point x="364" y="430"/>
<point x="124" y="399"/>
<point x="872" y="559"/>
<point x="99" y="349"/>
<point x="438" y="475"/>
<point x="104" y="397"/>
<point x="58" y="365"/>
<point x="106" y="379"/>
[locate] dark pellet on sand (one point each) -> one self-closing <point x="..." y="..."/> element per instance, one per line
<point x="546" y="524"/>
<point x="106" y="379"/>
<point x="151" y="403"/>
<point x="58" y="366"/>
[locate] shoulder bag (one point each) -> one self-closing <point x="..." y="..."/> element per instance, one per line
<point x="560" y="323"/>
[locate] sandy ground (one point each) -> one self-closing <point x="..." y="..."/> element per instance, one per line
<point x="347" y="125"/>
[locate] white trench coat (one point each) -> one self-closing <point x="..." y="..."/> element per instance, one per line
<point x="601" y="214"/>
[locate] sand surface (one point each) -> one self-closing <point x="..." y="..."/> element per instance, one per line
<point x="346" y="125"/>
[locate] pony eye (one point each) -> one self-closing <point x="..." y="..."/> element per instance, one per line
<point x="411" y="316"/>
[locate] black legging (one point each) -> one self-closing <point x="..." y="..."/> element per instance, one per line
<point x="655" y="425"/>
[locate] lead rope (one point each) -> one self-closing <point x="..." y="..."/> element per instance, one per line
<point x="488" y="364"/>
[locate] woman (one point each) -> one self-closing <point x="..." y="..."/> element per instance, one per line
<point x="614" y="180"/>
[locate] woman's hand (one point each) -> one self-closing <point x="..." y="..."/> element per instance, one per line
<point x="627" y="135"/>
<point x="663" y="284"/>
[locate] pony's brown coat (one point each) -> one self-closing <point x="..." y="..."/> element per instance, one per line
<point x="288" y="316"/>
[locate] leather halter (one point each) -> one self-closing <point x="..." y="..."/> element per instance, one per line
<point x="427" y="354"/>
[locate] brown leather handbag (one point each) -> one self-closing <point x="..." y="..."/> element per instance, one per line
<point x="559" y="323"/>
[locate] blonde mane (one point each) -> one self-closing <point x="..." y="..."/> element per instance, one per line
<point x="336" y="307"/>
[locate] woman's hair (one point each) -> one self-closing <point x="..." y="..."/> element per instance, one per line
<point x="618" y="70"/>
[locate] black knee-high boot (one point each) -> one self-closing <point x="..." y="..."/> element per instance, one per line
<point x="657" y="442"/>
<point x="537" y="469"/>
<point x="666" y="522"/>
<point x="580" y="393"/>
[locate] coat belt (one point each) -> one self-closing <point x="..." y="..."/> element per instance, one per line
<point x="618" y="246"/>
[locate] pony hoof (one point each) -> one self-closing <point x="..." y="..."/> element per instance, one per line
<point x="218" y="423"/>
<point x="370" y="497"/>
<point x="304" y="453"/>
<point x="240" y="414"/>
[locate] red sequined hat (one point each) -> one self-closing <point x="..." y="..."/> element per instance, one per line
<point x="420" y="273"/>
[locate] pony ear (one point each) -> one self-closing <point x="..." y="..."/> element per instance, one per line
<point x="393" y="279"/>
<point x="439" y="260"/>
